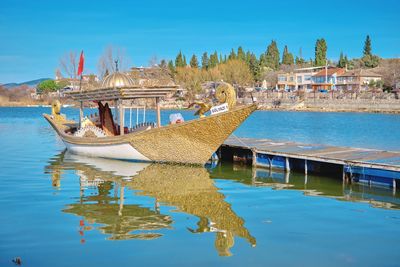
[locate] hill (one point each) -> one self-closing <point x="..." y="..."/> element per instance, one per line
<point x="32" y="83"/>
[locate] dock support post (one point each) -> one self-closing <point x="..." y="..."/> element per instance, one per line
<point x="305" y="167"/>
<point x="80" y="114"/>
<point x="394" y="185"/>
<point x="121" y="118"/>
<point x="287" y="165"/>
<point x="343" y="174"/>
<point x="287" y="176"/>
<point x="254" y="158"/>
<point x="121" y="200"/>
<point x="158" y="112"/>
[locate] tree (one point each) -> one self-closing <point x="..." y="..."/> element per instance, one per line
<point x="240" y="54"/>
<point x="190" y="79"/>
<point x="204" y="61"/>
<point x="171" y="66"/>
<point x="194" y="63"/>
<point x="232" y="55"/>
<point x="369" y="60"/>
<point x="254" y="66"/>
<point x="153" y="61"/>
<point x="163" y="64"/>
<point x="184" y="61"/>
<point x="287" y="58"/>
<point x="236" y="72"/>
<point x="271" y="58"/>
<point x="367" y="47"/>
<point x="69" y="64"/>
<point x="320" y="52"/>
<point x="299" y="61"/>
<point x="47" y="86"/>
<point x="179" y="60"/>
<point x="213" y="60"/>
<point x="106" y="63"/>
<point x="343" y="61"/>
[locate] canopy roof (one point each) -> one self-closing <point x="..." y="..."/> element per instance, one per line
<point x="131" y="92"/>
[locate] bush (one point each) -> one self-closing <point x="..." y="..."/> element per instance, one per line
<point x="47" y="86"/>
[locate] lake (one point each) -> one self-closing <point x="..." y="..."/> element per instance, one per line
<point x="61" y="209"/>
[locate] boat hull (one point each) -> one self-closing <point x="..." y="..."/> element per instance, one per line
<point x="112" y="151"/>
<point x="191" y="142"/>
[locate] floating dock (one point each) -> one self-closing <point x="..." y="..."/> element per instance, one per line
<point x="369" y="166"/>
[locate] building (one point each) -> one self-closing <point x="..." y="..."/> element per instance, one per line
<point x="299" y="79"/>
<point x="150" y="76"/>
<point x="358" y="79"/>
<point x="326" y="79"/>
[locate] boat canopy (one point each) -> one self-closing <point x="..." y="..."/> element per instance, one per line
<point x="122" y="93"/>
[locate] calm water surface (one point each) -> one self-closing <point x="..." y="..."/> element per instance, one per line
<point x="66" y="210"/>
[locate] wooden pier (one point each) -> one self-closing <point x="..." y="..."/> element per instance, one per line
<point x="352" y="164"/>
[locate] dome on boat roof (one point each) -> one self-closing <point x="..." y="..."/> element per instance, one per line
<point x="117" y="79"/>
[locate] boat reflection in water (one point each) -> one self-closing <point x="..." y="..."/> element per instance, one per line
<point x="188" y="188"/>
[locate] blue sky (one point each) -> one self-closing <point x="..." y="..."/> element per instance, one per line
<point x="35" y="34"/>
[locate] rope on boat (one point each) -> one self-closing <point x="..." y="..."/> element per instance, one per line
<point x="240" y="141"/>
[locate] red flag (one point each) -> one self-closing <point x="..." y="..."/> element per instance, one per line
<point x="81" y="62"/>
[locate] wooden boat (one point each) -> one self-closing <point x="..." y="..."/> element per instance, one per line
<point x="190" y="142"/>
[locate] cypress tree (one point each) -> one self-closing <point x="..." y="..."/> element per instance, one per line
<point x="343" y="61"/>
<point x="213" y="60"/>
<point x="367" y="46"/>
<point x="248" y="56"/>
<point x="254" y="66"/>
<point x="320" y="52"/>
<point x="179" y="60"/>
<point x="171" y="66"/>
<point x="204" y="61"/>
<point x="272" y="56"/>
<point x="369" y="60"/>
<point x="184" y="61"/>
<point x="232" y="55"/>
<point x="287" y="58"/>
<point x="194" y="63"/>
<point x="240" y="54"/>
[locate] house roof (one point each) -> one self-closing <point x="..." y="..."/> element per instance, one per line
<point x="360" y="73"/>
<point x="330" y="72"/>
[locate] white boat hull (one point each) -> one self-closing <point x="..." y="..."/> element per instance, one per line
<point x="112" y="151"/>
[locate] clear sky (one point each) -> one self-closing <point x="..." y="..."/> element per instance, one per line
<point x="35" y="34"/>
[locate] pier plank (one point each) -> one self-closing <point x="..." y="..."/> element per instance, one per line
<point x="371" y="158"/>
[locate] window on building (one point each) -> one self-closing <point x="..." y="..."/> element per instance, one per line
<point x="307" y="77"/>
<point x="299" y="79"/>
<point x="282" y="78"/>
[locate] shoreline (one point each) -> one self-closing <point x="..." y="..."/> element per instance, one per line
<point x="260" y="108"/>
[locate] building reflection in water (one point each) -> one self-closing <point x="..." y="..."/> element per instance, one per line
<point x="188" y="188"/>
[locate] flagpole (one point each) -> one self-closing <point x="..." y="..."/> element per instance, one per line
<point x="81" y="104"/>
<point x="80" y="71"/>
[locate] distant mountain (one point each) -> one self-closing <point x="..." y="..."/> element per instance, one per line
<point x="32" y="83"/>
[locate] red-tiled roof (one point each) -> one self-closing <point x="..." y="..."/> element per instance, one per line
<point x="330" y="72"/>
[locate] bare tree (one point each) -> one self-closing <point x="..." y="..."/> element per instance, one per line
<point x="106" y="63"/>
<point x="69" y="64"/>
<point x="153" y="61"/>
